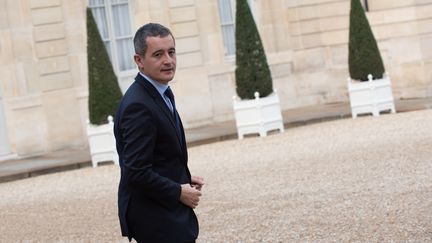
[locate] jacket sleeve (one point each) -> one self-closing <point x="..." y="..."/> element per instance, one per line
<point x="138" y="133"/>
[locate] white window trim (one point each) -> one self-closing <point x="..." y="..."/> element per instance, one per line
<point x="253" y="8"/>
<point x="365" y="5"/>
<point x="112" y="39"/>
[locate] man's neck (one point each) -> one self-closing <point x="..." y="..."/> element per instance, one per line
<point x="161" y="87"/>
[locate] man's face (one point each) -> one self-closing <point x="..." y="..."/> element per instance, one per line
<point x="159" y="61"/>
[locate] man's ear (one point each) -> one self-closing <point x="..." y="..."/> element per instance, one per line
<point x="139" y="61"/>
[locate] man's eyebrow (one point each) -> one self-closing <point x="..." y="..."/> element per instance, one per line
<point x="159" y="50"/>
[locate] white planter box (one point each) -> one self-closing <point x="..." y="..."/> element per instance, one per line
<point x="259" y="115"/>
<point x="372" y="96"/>
<point x="102" y="142"/>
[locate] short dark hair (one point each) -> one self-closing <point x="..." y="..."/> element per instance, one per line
<point x="147" y="30"/>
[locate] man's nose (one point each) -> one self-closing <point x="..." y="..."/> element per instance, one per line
<point x="167" y="59"/>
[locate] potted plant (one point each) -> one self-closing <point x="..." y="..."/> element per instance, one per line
<point x="369" y="86"/>
<point x="104" y="96"/>
<point x="256" y="108"/>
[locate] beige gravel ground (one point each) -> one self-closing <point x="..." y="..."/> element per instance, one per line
<point x="363" y="180"/>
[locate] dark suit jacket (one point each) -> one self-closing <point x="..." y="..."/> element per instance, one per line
<point x="153" y="163"/>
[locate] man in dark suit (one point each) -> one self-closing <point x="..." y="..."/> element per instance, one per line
<point x="157" y="193"/>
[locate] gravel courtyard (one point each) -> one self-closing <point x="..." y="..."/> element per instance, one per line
<point x="363" y="180"/>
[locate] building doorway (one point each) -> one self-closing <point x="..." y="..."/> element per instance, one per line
<point x="4" y="141"/>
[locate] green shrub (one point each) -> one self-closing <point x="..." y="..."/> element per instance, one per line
<point x="252" y="72"/>
<point x="104" y="91"/>
<point x="364" y="57"/>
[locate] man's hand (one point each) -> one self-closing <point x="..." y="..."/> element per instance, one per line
<point x="197" y="182"/>
<point x="189" y="195"/>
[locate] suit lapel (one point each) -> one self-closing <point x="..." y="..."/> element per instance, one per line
<point x="162" y="105"/>
<point x="183" y="139"/>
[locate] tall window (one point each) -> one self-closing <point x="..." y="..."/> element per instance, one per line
<point x="114" y="24"/>
<point x="226" y="14"/>
<point x="227" y="21"/>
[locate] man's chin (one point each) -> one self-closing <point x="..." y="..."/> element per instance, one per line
<point x="168" y="76"/>
<point x="167" y="79"/>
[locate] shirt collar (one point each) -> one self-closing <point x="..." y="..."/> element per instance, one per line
<point x="159" y="87"/>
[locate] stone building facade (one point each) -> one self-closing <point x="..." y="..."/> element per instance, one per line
<point x="43" y="66"/>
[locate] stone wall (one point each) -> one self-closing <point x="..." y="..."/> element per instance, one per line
<point x="43" y="67"/>
<point x="319" y="37"/>
<point x="307" y="49"/>
<point x="41" y="72"/>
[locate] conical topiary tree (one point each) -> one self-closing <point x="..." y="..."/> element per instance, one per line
<point x="252" y="72"/>
<point x="364" y="57"/>
<point x="104" y="91"/>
